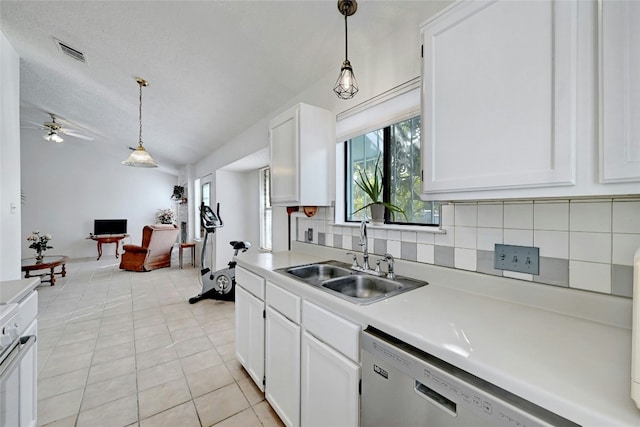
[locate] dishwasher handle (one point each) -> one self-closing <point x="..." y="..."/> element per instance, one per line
<point x="432" y="396"/>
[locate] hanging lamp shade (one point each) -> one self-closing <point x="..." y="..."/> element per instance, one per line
<point x="346" y="86"/>
<point x="140" y="157"/>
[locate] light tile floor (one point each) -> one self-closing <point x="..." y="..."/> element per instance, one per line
<point x="121" y="348"/>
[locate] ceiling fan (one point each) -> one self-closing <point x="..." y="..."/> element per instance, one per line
<point x="55" y="130"/>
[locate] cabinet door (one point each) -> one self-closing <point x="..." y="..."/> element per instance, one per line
<point x="282" y="367"/>
<point x="330" y="383"/>
<point x="619" y="91"/>
<point x="249" y="312"/>
<point x="284" y="134"/>
<point x="499" y="98"/>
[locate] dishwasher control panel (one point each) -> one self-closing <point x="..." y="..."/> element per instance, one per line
<point x="437" y="390"/>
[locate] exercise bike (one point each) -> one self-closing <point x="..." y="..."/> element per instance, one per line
<point x="219" y="284"/>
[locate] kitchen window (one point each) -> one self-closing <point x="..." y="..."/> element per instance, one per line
<point x="265" y="209"/>
<point x="398" y="148"/>
<point x="202" y="195"/>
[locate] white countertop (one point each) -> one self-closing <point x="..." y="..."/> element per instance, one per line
<point x="13" y="291"/>
<point x="570" y="364"/>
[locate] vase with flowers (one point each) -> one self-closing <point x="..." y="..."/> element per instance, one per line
<point x="39" y="242"/>
<point x="165" y="216"/>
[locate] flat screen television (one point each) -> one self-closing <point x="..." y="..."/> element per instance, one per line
<point x="109" y="226"/>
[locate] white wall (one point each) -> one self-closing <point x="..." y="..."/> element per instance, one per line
<point x="68" y="185"/>
<point x="378" y="68"/>
<point x="238" y="195"/>
<point x="9" y="161"/>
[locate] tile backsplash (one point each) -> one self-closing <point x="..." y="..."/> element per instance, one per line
<point x="584" y="244"/>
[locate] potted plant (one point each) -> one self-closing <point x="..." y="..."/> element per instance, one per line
<point x="372" y="186"/>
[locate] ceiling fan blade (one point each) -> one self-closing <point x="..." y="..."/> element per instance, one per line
<point x="34" y="125"/>
<point x="76" y="135"/>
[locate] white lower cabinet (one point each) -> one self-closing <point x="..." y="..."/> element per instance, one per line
<point x="282" y="367"/>
<point x="305" y="358"/>
<point x="330" y="386"/>
<point x="330" y="366"/>
<point x="249" y="312"/>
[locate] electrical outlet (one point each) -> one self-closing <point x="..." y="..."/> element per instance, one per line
<point x="523" y="259"/>
<point x="310" y="235"/>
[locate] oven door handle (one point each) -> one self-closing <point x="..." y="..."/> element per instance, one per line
<point x="16" y="356"/>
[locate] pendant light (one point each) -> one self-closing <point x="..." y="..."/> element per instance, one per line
<point x="346" y="87"/>
<point x="139" y="157"/>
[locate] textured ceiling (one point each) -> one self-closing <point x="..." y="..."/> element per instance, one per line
<point x="214" y="67"/>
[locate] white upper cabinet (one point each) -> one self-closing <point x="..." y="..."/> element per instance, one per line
<point x="500" y="96"/>
<point x="619" y="26"/>
<point x="529" y="99"/>
<point x="303" y="146"/>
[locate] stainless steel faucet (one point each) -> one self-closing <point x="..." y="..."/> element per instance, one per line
<point x="364" y="242"/>
<point x="388" y="258"/>
<point x="354" y="265"/>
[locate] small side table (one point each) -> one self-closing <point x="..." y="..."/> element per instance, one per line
<point x="191" y="246"/>
<point x="107" y="238"/>
<point x="50" y="262"/>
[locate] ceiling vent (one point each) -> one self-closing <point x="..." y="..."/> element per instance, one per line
<point x="68" y="50"/>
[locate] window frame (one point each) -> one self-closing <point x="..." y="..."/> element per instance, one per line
<point x="386" y="172"/>
<point x="266" y="238"/>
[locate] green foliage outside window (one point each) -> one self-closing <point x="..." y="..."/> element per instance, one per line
<point x="399" y="146"/>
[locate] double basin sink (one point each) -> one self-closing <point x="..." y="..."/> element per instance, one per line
<point x="357" y="287"/>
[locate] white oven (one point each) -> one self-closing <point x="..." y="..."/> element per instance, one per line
<point x="18" y="363"/>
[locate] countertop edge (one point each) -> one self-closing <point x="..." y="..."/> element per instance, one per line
<point x="13" y="291"/>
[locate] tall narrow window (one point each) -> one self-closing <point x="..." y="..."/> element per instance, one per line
<point x="206" y="194"/>
<point x="265" y="209"/>
<point x="398" y="148"/>
<point x="197" y="198"/>
<point x="206" y="199"/>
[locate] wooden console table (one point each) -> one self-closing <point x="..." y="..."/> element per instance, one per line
<point x="107" y="238"/>
<point x="49" y="262"/>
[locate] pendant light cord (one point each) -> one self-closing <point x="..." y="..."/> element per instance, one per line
<point x="140" y="116"/>
<point x="346" y="51"/>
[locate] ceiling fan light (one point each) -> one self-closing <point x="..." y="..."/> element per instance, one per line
<point x="53" y="137"/>
<point x="140" y="158"/>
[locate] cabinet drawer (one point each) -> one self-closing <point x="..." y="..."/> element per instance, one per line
<point x="284" y="301"/>
<point x="335" y="331"/>
<point x="250" y="281"/>
<point x="28" y="310"/>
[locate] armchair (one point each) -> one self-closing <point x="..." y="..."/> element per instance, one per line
<point x="155" y="250"/>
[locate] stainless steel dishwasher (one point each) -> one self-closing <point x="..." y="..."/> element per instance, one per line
<point x="405" y="387"/>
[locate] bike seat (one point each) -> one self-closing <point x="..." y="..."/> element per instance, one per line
<point x="240" y="245"/>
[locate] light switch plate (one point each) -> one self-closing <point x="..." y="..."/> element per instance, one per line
<point x="523" y="259"/>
